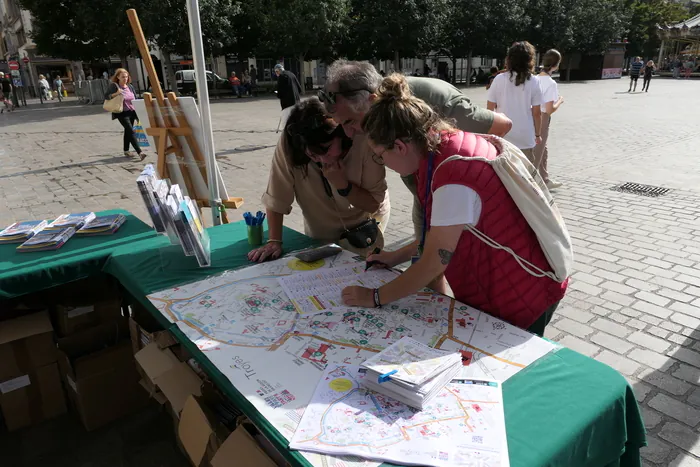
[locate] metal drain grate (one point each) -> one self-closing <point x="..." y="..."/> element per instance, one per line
<point x="641" y="190"/>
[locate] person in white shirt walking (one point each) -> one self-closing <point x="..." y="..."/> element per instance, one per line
<point x="551" y="100"/>
<point x="516" y="93"/>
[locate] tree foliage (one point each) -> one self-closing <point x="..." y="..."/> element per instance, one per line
<point x="383" y="29"/>
<point x="646" y="16"/>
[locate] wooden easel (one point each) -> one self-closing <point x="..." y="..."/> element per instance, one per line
<point x="174" y="126"/>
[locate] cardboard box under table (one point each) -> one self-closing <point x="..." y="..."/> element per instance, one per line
<point x="573" y="410"/>
<point x="98" y="368"/>
<point x="30" y="386"/>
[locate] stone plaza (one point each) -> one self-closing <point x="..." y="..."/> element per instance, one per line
<point x="634" y="301"/>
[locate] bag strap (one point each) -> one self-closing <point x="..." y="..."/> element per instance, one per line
<point x="530" y="268"/>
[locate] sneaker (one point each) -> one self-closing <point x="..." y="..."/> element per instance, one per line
<point x="553" y="185"/>
<point x="142" y="155"/>
<point x="128" y="154"/>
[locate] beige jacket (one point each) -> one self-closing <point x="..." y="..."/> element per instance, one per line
<point x="325" y="219"/>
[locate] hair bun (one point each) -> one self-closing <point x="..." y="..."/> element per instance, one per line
<point x="394" y="86"/>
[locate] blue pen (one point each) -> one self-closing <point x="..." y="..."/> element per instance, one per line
<point x="386" y="376"/>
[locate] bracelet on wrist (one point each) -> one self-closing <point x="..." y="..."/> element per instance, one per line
<point x="377" y="301"/>
<point x="273" y="240"/>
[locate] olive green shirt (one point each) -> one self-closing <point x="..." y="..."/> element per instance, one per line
<point x="452" y="104"/>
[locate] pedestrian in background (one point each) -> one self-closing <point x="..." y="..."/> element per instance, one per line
<point x="551" y="100"/>
<point x="516" y="93"/>
<point x="635" y="70"/>
<point x="647" y="72"/>
<point x="288" y="92"/>
<point x="6" y="93"/>
<point x="235" y="83"/>
<point x="121" y="85"/>
<point x="58" y="86"/>
<point x="45" y="87"/>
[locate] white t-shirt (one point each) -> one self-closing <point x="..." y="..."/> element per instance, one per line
<point x="516" y="102"/>
<point x="455" y="205"/>
<point x="549" y="89"/>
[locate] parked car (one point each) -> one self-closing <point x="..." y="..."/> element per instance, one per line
<point x="187" y="86"/>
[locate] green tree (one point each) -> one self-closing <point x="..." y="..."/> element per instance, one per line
<point x="646" y="16"/>
<point x="304" y="29"/>
<point x="390" y="29"/>
<point x="474" y="27"/>
<point x="81" y="29"/>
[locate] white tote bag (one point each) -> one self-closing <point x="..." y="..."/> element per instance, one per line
<point x="537" y="206"/>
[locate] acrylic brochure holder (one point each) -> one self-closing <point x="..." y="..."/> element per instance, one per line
<point x="177" y="217"/>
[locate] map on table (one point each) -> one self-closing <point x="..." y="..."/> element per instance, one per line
<point x="247" y="326"/>
<point x="316" y="291"/>
<point x="463" y="426"/>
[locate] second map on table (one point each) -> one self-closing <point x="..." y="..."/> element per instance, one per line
<point x="247" y="326"/>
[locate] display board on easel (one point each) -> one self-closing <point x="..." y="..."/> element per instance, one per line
<point x="175" y="126"/>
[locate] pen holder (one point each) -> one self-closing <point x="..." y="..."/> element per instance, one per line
<point x="255" y="235"/>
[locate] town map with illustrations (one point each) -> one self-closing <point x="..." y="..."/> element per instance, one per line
<point x="247" y="326"/>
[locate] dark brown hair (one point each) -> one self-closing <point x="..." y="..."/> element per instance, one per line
<point x="398" y="114"/>
<point x="521" y="61"/>
<point x="310" y="127"/>
<point x="551" y="59"/>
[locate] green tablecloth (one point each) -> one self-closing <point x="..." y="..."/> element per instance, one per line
<point x="80" y="257"/>
<point x="565" y="410"/>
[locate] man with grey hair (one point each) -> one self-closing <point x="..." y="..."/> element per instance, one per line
<point x="350" y="89"/>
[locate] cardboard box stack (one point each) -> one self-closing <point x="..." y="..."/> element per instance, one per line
<point x="97" y="366"/>
<point x="30" y="386"/>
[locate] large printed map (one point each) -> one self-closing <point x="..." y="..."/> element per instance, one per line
<point x="247" y="326"/>
<point x="463" y="426"/>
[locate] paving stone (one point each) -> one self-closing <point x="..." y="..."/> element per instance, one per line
<point x="648" y="342"/>
<point x="618" y="317"/>
<point x="576" y="314"/>
<point x="688" y="373"/>
<point x="657" y="332"/>
<point x="652" y="359"/>
<point x="587" y="278"/>
<point x="641" y="390"/>
<point x="669" y="326"/>
<point x="681" y="436"/>
<point x="694" y="397"/>
<point x="642" y="285"/>
<point x="618" y="287"/>
<point x="618" y="298"/>
<point x="656" y="271"/>
<point x="656" y="450"/>
<point x="691" y="310"/>
<point x="652" y="298"/>
<point x="663" y="381"/>
<point x="668" y="283"/>
<point x="573" y="327"/>
<point x="618" y="362"/>
<point x="610" y="276"/>
<point x="610" y="327"/>
<point x="658" y="263"/>
<point x="684" y="460"/>
<point x="685" y="320"/>
<point x="585" y="287"/>
<point x="636" y="324"/>
<point x="685" y="355"/>
<point x="636" y="274"/>
<point x="579" y="346"/>
<point x="610" y="342"/>
<point x="675" y="409"/>
<point x="656" y="310"/>
<point x="651" y="417"/>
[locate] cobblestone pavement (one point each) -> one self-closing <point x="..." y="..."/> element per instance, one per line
<point x="634" y="301"/>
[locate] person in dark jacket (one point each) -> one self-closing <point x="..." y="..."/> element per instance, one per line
<point x="121" y="84"/>
<point x="288" y="87"/>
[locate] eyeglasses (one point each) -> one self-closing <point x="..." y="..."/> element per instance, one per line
<point x="329" y="97"/>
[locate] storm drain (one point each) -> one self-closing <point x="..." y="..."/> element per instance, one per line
<point x="641" y="190"/>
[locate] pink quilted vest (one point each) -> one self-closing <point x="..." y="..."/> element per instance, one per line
<point x="479" y="275"/>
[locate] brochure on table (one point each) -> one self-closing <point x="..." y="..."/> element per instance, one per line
<point x="247" y="326"/>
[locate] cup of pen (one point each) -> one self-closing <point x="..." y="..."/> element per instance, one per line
<point x="254" y="223"/>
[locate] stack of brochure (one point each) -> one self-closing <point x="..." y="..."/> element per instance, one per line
<point x="146" y="184"/>
<point x="47" y="240"/>
<point x="20" y="232"/>
<point x="411" y="372"/>
<point x="103" y="225"/>
<point x="76" y="221"/>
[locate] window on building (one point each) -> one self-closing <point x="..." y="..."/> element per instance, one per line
<point x="21" y="37"/>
